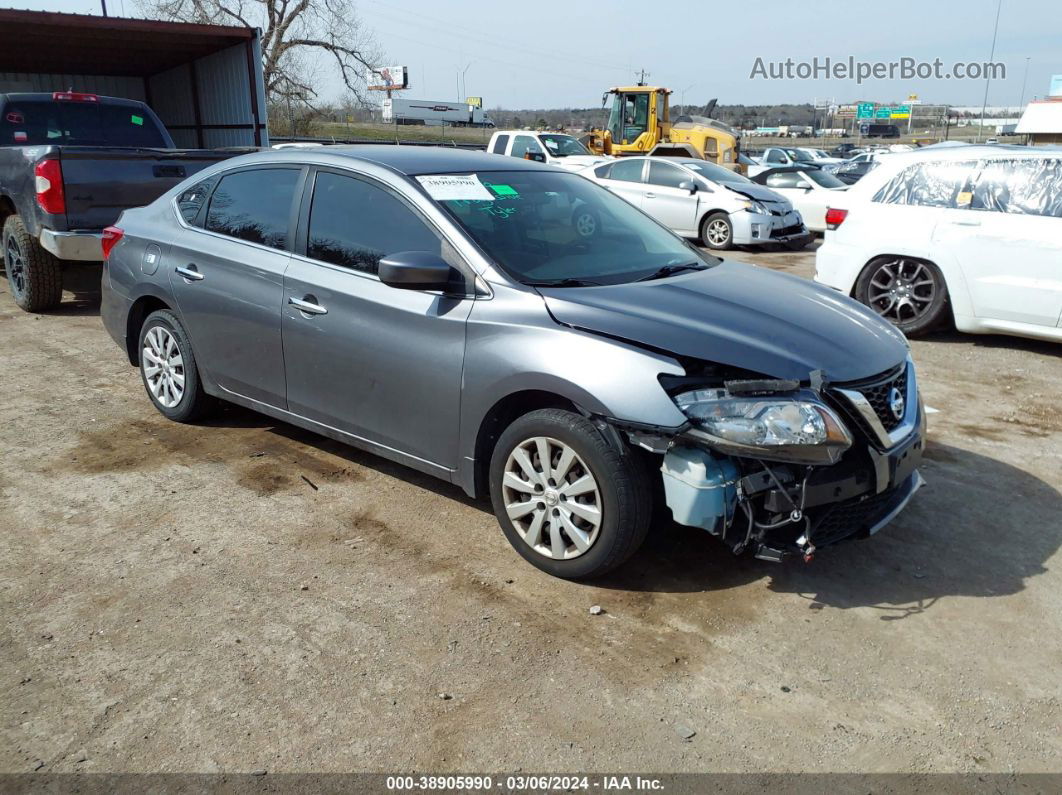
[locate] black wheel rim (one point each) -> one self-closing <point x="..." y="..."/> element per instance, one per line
<point x="15" y="265"/>
<point x="902" y="290"/>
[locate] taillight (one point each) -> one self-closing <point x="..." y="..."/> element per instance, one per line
<point x="111" y="236"/>
<point x="48" y="182"/>
<point x="835" y="217"/>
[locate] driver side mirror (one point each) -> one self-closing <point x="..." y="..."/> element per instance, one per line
<point x="538" y="157"/>
<point x="688" y="185"/>
<point x="416" y="270"/>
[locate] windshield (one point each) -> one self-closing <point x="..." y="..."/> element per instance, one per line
<point x="33" y="122"/>
<point x="544" y="228"/>
<point x="562" y="145"/>
<point x="715" y="173"/>
<point x="824" y="179"/>
<point x="799" y="155"/>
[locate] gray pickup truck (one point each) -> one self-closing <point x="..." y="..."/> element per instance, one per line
<point x="70" y="163"/>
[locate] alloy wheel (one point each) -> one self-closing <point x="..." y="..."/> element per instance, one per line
<point x="163" y="366"/>
<point x="15" y="265"/>
<point x="718" y="232"/>
<point x="552" y="498"/>
<point x="586" y="225"/>
<point x="902" y="290"/>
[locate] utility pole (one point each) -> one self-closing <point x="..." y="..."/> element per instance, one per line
<point x="1024" y="78"/>
<point x="988" y="78"/>
<point x="103" y="5"/>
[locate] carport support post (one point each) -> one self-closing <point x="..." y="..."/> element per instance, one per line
<point x="194" y="77"/>
<point x="253" y="83"/>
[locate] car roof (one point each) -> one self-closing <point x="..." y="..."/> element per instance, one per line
<point x="973" y="152"/>
<point x="789" y="169"/>
<point x="407" y="160"/>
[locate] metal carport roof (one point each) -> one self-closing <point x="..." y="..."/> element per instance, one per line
<point x="58" y="43"/>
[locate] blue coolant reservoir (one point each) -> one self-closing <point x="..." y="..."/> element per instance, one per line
<point x="701" y="488"/>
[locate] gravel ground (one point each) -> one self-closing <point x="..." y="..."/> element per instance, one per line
<point x="178" y="598"/>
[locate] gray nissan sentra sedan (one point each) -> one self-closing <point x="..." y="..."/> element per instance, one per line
<point x="524" y="333"/>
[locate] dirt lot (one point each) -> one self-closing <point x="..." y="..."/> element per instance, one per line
<point x="180" y="598"/>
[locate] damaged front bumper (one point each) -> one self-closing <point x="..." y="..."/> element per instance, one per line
<point x="779" y="510"/>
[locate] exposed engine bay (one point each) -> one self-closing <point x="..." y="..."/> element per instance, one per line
<point x="781" y="468"/>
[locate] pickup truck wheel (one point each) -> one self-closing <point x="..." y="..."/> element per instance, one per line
<point x="587" y="223"/>
<point x="909" y="293"/>
<point x="34" y="275"/>
<point x="567" y="500"/>
<point x="168" y="369"/>
<point x="717" y="232"/>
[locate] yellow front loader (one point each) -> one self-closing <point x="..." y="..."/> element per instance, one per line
<point x="639" y="123"/>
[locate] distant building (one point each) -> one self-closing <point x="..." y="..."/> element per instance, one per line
<point x="1042" y="122"/>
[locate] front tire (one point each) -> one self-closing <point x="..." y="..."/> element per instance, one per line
<point x="717" y="232"/>
<point x="909" y="293"/>
<point x="34" y="275"/>
<point x="567" y="500"/>
<point x="587" y="223"/>
<point x="168" y="369"/>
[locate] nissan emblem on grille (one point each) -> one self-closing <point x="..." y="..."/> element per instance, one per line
<point x="896" y="403"/>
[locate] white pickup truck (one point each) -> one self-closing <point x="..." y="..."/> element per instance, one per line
<point x="557" y="149"/>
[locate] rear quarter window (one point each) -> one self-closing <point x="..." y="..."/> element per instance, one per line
<point x="1020" y="186"/>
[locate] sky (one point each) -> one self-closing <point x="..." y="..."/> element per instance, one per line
<point x="555" y="55"/>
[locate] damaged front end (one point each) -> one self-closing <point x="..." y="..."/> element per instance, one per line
<point x="782" y="468"/>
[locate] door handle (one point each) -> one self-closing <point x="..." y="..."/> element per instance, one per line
<point x="650" y="195"/>
<point x="190" y="273"/>
<point x="309" y="307"/>
<point x="968" y="222"/>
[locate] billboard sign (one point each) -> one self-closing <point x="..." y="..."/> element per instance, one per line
<point x="901" y="112"/>
<point x="474" y="102"/>
<point x="846" y="111"/>
<point x="387" y="78"/>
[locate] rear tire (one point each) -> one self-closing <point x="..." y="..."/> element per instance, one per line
<point x="34" y="275"/>
<point x="717" y="232"/>
<point x="591" y="517"/>
<point x="168" y="369"/>
<point x="910" y="293"/>
<point x="587" y="223"/>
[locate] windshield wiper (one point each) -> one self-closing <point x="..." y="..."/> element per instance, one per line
<point x="670" y="270"/>
<point x="568" y="281"/>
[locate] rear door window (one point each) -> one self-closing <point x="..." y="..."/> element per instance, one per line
<point x="499" y="144"/>
<point x="1021" y="186"/>
<point x="254" y="205"/>
<point x="787" y="179"/>
<point x="934" y="184"/>
<point x="355" y="223"/>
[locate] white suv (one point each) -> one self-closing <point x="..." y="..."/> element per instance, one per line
<point x="970" y="233"/>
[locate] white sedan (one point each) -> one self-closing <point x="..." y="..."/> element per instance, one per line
<point x="810" y="190"/>
<point x="970" y="235"/>
<point x="701" y="200"/>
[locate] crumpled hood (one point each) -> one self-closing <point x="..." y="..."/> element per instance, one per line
<point x="757" y="192"/>
<point x="739" y="315"/>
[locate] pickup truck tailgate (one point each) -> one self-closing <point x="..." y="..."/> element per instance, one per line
<point x="101" y="183"/>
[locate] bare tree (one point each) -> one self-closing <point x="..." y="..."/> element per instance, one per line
<point x="295" y="35"/>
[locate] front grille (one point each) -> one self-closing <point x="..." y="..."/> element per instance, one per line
<point x="878" y="397"/>
<point x="785" y="231"/>
<point x="843" y="519"/>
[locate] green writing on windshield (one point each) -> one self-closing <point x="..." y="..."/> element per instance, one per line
<point x="137" y="120"/>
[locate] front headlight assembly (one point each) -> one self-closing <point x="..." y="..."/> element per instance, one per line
<point x="753" y="206"/>
<point x="797" y="429"/>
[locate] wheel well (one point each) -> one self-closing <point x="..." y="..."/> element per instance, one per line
<point x="501" y="416"/>
<point x="6" y="209"/>
<point x="138" y="313"/>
